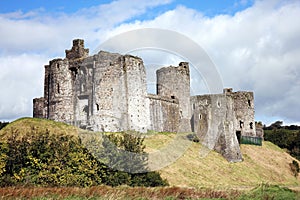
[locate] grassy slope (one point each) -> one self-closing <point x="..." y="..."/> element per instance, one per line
<point x="24" y="125"/>
<point x="266" y="164"/>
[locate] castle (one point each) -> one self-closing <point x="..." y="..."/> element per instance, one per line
<point x="107" y="92"/>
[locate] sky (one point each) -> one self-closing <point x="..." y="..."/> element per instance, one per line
<point x="254" y="45"/>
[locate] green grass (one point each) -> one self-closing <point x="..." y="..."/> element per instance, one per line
<point x="273" y="192"/>
<point x="262" y="164"/>
<point x="24" y="125"/>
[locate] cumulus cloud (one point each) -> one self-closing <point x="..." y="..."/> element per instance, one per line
<point x="21" y="79"/>
<point x="29" y="40"/>
<point x="255" y="49"/>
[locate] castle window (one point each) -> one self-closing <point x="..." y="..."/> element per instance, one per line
<point x="251" y="125"/>
<point x="97" y="105"/>
<point x="57" y="65"/>
<point x="58" y="89"/>
<point x="241" y="124"/>
<point x="249" y="102"/>
<point x="219" y="104"/>
<point x="200" y="116"/>
<point x="172" y="97"/>
<point x="193" y="106"/>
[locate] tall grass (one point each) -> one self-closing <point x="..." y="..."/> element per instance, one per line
<point x="106" y="192"/>
<point x="263" y="192"/>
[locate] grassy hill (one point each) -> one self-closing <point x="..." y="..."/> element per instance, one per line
<point x="262" y="164"/>
<point x="265" y="164"/>
<point x="25" y="125"/>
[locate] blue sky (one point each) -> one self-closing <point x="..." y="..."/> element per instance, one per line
<point x="208" y="7"/>
<point x="255" y="45"/>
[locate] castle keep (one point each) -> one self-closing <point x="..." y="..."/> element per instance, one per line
<point x="108" y="92"/>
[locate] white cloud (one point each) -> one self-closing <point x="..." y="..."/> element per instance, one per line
<point x="21" y="80"/>
<point x="256" y="49"/>
<point x="29" y="40"/>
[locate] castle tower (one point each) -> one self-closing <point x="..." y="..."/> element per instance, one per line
<point x="136" y="93"/>
<point x="58" y="91"/>
<point x="174" y="82"/>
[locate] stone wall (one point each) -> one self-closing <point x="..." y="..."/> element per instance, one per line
<point x="39" y="108"/>
<point x="77" y="51"/>
<point x="244" y="112"/>
<point x="213" y="121"/>
<point x="100" y="87"/>
<point x="136" y="93"/>
<point x="164" y="113"/>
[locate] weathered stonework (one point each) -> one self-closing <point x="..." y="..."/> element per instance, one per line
<point x="108" y="92"/>
<point x="222" y="119"/>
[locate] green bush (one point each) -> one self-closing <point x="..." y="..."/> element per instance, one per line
<point x="286" y="139"/>
<point x="3" y="124"/>
<point x="125" y="152"/>
<point x="47" y="159"/>
<point x="295" y="168"/>
<point x="42" y="158"/>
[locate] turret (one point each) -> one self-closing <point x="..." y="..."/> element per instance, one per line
<point x="78" y="51"/>
<point x="174" y="82"/>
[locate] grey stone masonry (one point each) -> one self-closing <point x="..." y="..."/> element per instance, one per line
<point x="107" y="92"/>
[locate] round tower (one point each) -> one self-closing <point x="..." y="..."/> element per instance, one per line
<point x="174" y="82"/>
<point x="59" y="91"/>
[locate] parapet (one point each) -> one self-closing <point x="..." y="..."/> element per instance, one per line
<point x="78" y="51"/>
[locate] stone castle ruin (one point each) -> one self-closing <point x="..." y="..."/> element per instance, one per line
<point x="107" y="92"/>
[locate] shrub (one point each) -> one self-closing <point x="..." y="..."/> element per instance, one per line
<point x="42" y="158"/>
<point x="295" y="168"/>
<point x="47" y="159"/>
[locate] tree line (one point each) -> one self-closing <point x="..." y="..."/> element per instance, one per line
<point x="286" y="137"/>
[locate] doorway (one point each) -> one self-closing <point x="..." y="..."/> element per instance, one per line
<point x="238" y="136"/>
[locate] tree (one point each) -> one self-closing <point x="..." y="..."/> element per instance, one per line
<point x="43" y="158"/>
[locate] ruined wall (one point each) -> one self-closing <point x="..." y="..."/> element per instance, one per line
<point x="136" y="91"/>
<point x="174" y="82"/>
<point x="110" y="93"/>
<point x="77" y="51"/>
<point x="164" y="113"/>
<point x="39" y="110"/>
<point x="244" y="112"/>
<point x="213" y="120"/>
